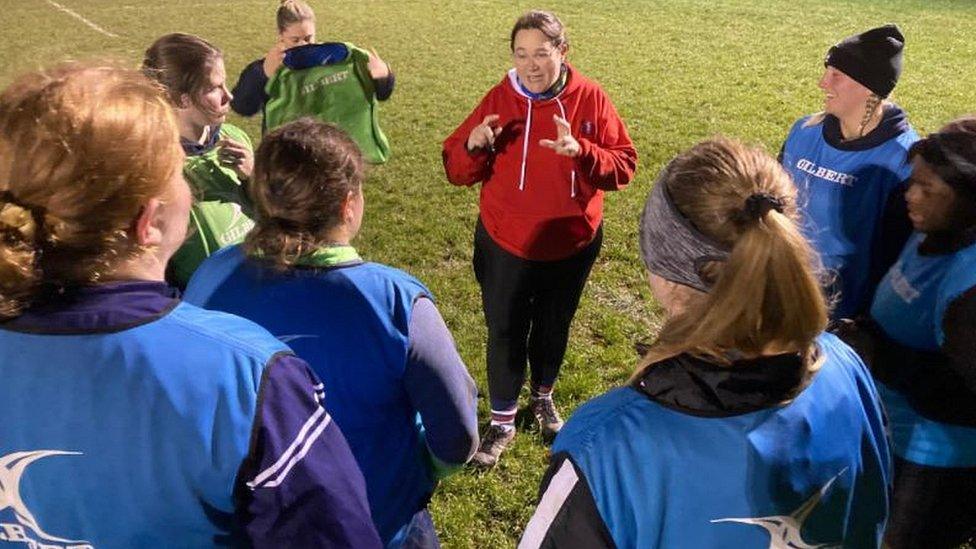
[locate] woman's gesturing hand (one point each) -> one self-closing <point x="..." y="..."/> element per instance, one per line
<point x="237" y="157"/>
<point x="483" y="135"/>
<point x="565" y="144"/>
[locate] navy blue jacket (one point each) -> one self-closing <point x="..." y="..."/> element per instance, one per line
<point x="146" y="421"/>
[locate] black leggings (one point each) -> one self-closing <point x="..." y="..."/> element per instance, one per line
<point x="933" y="507"/>
<point x="528" y="307"/>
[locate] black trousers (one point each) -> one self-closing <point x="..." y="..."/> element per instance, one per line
<point x="529" y="306"/>
<point x="933" y="507"/>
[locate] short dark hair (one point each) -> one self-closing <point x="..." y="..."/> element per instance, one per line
<point x="951" y="153"/>
<point x="543" y="21"/>
<point x="303" y="172"/>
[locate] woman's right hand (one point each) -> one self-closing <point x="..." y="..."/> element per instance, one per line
<point x="274" y="59"/>
<point x="483" y="135"/>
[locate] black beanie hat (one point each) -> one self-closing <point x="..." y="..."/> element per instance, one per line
<point x="872" y="58"/>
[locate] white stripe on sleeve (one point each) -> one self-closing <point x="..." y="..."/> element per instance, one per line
<point x="292" y="454"/>
<point x="301" y="453"/>
<point x="559" y="488"/>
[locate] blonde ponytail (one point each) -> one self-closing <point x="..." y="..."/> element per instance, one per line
<point x="291" y="12"/>
<point x="767" y="297"/>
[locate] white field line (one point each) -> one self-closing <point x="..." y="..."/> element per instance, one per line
<point x="81" y="18"/>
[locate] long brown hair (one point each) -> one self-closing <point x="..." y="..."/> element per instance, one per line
<point x="82" y="149"/>
<point x="182" y="63"/>
<point x="767" y="295"/>
<point x="303" y="172"/>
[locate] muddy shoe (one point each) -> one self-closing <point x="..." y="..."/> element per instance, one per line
<point x="496" y="439"/>
<point x="545" y="413"/>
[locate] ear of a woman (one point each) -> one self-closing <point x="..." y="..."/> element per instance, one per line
<point x="148" y="229"/>
<point x="349" y="209"/>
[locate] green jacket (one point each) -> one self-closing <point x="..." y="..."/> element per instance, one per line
<point x="216" y="218"/>
<point x="341" y="92"/>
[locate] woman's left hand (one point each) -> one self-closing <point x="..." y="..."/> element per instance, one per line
<point x="236" y="156"/>
<point x="565" y="144"/>
<point x="378" y="69"/>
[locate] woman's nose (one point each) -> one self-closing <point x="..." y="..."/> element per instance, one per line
<point x="822" y="84"/>
<point x="911" y="194"/>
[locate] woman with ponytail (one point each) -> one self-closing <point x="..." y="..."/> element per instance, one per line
<point x="160" y="424"/>
<point x="745" y="425"/>
<point x="849" y="165"/>
<point x="219" y="156"/>
<point x="400" y="391"/>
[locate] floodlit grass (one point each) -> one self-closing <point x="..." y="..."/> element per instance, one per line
<point x="678" y="71"/>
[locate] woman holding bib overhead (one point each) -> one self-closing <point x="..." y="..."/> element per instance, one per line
<point x="335" y="82"/>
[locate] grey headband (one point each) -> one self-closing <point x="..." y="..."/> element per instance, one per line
<point x="671" y="246"/>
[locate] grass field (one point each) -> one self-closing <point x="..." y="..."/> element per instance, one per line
<point x="678" y="71"/>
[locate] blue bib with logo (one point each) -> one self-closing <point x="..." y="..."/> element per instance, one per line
<point x="813" y="471"/>
<point x="842" y="196"/>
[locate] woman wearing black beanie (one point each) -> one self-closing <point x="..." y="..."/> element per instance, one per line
<point x="849" y="164"/>
<point x="920" y="342"/>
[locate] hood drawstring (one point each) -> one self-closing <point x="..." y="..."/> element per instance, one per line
<point x="525" y="144"/>
<point x="525" y="148"/>
<point x="572" y="173"/>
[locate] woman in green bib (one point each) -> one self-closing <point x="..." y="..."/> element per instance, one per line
<point x="219" y="156"/>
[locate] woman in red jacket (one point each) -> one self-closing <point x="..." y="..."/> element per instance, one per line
<point x="545" y="143"/>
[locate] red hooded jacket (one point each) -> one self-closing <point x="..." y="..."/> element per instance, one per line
<point x="536" y="204"/>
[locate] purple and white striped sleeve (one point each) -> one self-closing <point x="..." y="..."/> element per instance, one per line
<point x="299" y="484"/>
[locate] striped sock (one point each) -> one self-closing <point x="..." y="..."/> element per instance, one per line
<point x="505" y="418"/>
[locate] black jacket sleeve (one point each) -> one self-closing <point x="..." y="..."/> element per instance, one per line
<point x="440" y="388"/>
<point x="567" y="515"/>
<point x="938" y="385"/>
<point x="249" y="97"/>
<point x="959" y="346"/>
<point x="384" y="86"/>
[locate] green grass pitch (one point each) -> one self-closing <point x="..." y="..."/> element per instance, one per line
<point x="678" y="71"/>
